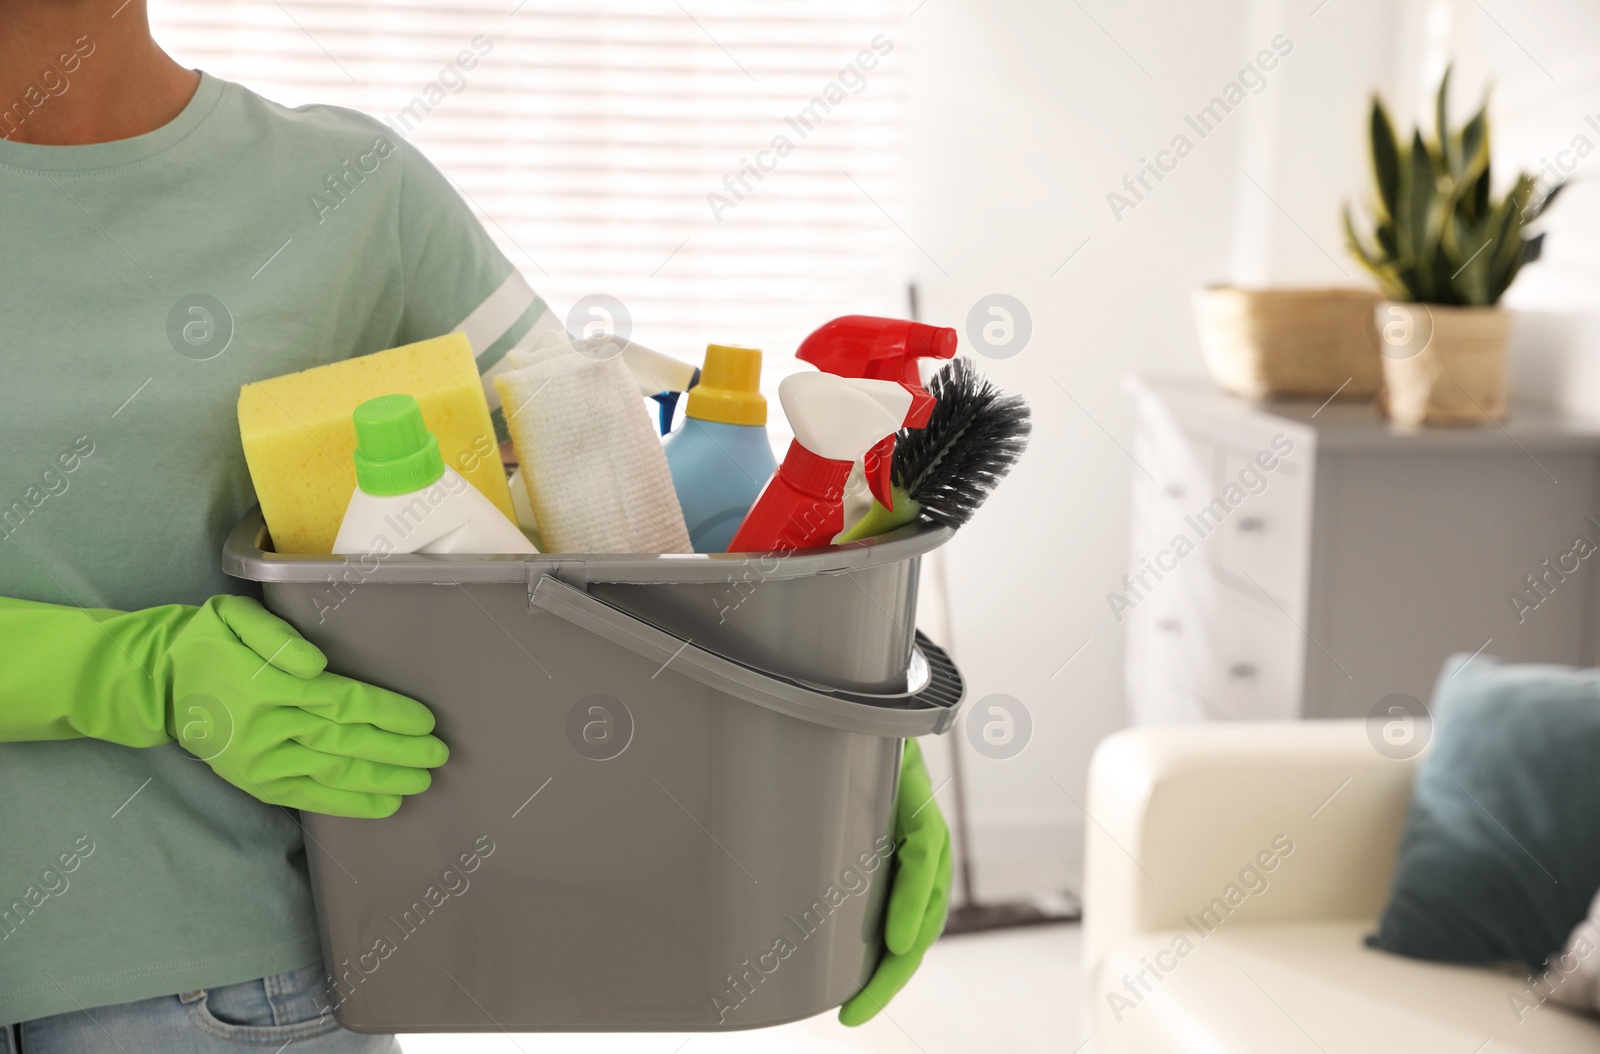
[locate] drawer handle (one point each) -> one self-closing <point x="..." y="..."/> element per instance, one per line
<point x="1169" y="625"/>
<point x="1242" y="671"/>
<point x="1252" y="523"/>
<point x="1175" y="491"/>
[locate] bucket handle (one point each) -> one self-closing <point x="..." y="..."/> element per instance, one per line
<point x="931" y="709"/>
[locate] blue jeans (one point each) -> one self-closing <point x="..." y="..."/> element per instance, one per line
<point x="278" y="1013"/>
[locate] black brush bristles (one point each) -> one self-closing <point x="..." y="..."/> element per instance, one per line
<point x="973" y="437"/>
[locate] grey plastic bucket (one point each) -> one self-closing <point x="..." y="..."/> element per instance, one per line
<point x="669" y="800"/>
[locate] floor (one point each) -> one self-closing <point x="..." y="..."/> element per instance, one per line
<point x="1014" y="990"/>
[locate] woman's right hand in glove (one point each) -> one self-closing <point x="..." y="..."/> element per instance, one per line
<point x="235" y="685"/>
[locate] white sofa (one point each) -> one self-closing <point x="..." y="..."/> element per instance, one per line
<point x="1192" y="944"/>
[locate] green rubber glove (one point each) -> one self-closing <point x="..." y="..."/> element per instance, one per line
<point x="919" y="899"/>
<point x="234" y="684"/>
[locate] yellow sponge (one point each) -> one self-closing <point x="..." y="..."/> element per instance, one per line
<point x="299" y="439"/>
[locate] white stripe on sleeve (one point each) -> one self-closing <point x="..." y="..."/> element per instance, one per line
<point x="489" y="321"/>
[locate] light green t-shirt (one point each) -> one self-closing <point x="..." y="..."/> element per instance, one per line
<point x="142" y="282"/>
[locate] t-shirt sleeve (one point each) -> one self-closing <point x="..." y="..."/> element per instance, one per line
<point x="456" y="278"/>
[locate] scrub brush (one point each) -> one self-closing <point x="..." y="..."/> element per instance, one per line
<point x="948" y="468"/>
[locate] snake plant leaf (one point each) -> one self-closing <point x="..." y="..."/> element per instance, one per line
<point x="1457" y="231"/>
<point x="1500" y="225"/>
<point x="1506" y="224"/>
<point x="1414" y="221"/>
<point x="1353" y="239"/>
<point x="1535" y="208"/>
<point x="1473" y="144"/>
<point x="1385" y="158"/>
<point x="1468" y="248"/>
<point x="1441" y="126"/>
<point x="1482" y="188"/>
<point x="1380" y="267"/>
<point x="1413" y="282"/>
<point x="1444" y="265"/>
<point x="1384" y="232"/>
<point x="1375" y="257"/>
<point x="1455" y="236"/>
<point x="1473" y="167"/>
<point x="1525" y="201"/>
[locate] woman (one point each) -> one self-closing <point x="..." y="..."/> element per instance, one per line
<point x="166" y="237"/>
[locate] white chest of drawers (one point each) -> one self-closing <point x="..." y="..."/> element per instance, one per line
<point x="1289" y="561"/>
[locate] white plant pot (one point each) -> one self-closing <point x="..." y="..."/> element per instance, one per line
<point x="1443" y="365"/>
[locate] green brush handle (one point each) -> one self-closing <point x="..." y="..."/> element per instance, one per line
<point x="880" y="520"/>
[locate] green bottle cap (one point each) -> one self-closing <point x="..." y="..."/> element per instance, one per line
<point x="395" y="452"/>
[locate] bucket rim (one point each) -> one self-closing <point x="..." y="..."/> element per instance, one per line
<point x="245" y="555"/>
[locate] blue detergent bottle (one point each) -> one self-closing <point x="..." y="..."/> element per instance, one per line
<point x="720" y="459"/>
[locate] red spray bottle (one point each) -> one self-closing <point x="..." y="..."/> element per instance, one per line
<point x="875" y="389"/>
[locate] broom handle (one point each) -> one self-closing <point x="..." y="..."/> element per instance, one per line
<point x="964" y="842"/>
<point x="957" y="773"/>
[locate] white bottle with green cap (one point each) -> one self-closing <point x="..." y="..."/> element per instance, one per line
<point x="407" y="500"/>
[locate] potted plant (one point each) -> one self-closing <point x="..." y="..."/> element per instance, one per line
<point x="1444" y="251"/>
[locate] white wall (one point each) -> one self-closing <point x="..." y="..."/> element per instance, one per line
<point x="1026" y="113"/>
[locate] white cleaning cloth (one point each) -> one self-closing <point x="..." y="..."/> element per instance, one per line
<point x="596" y="473"/>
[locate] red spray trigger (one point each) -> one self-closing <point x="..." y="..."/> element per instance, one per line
<point x="885" y="349"/>
<point x="879" y="464"/>
<point x="924" y="342"/>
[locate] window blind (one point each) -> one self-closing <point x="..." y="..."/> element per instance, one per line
<point x="727" y="171"/>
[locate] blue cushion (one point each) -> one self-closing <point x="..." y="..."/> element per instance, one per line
<point x="1501" y="852"/>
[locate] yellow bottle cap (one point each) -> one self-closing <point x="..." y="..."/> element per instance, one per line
<point x="730" y="387"/>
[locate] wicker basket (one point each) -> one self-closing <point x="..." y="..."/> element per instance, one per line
<point x="1295" y="343"/>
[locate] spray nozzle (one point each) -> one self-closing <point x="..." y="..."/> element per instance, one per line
<point x="882" y="350"/>
<point x="846" y="419"/>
